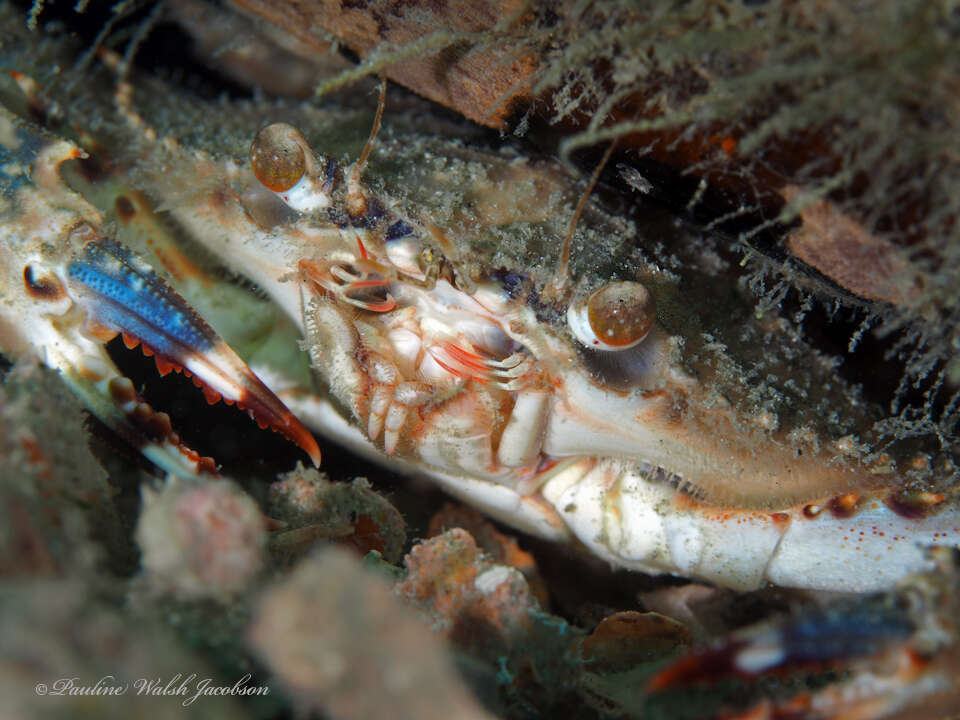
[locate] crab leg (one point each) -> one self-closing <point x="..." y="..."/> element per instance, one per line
<point x="635" y="519"/>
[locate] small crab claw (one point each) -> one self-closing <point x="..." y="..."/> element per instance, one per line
<point x="815" y="639"/>
<point x="121" y="294"/>
<point x="893" y="654"/>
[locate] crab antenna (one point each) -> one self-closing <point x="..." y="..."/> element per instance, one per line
<point x="563" y="275"/>
<point x="141" y="34"/>
<point x="123" y="99"/>
<point x="362" y="162"/>
<point x="356" y="202"/>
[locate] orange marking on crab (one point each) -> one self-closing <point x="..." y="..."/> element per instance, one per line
<point x="165" y="366"/>
<point x="780" y="520"/>
<point x="686" y="502"/>
<point x="456" y="372"/>
<point x="844" y="505"/>
<point x="465" y="357"/>
<point x="368" y="283"/>
<point x="311" y="270"/>
<point x="380" y="307"/>
<point x="100" y="332"/>
<point x="325" y="280"/>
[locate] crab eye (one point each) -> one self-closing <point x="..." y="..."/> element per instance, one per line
<point x="616" y="317"/>
<point x="277" y="156"/>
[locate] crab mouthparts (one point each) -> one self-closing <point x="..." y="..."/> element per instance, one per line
<point x="122" y="294"/>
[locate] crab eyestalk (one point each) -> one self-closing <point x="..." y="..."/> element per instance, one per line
<point x="282" y="161"/>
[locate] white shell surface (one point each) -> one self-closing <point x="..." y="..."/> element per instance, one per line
<point x="869" y="551"/>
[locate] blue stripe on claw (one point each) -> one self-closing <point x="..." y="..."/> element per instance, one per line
<point x="128" y="296"/>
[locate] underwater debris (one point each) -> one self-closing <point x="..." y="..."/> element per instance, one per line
<point x="339" y="641"/>
<point x="275" y="62"/>
<point x="458" y="54"/>
<point x="312" y="508"/>
<point x="450" y="580"/>
<point x="499" y="547"/>
<point x="628" y="638"/>
<point x="489" y="614"/>
<point x="870" y="266"/>
<point x="69" y="651"/>
<point x="200" y="538"/>
<point x="55" y="501"/>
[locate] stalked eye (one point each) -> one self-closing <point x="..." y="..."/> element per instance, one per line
<point x="616" y="317"/>
<point x="278" y="157"/>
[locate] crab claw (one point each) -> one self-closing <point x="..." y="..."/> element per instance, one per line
<point x="815" y="639"/>
<point x="894" y="654"/>
<point x="66" y="290"/>
<point x="122" y="294"/>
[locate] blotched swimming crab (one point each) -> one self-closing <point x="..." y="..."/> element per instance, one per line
<point x="627" y="398"/>
<point x="615" y="398"/>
